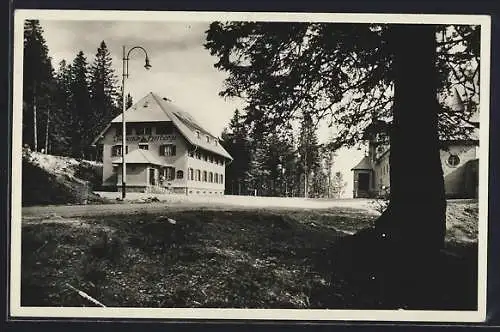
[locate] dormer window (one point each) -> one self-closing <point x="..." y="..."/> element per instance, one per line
<point x="197" y="134"/>
<point x="208" y="139"/>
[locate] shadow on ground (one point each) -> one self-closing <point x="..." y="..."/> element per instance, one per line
<point x="232" y="259"/>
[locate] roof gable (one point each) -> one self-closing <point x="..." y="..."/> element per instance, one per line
<point x="153" y="108"/>
<point x="145" y="110"/>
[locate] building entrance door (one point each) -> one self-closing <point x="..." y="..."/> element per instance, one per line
<point x="152" y="176"/>
<point x="364" y="181"/>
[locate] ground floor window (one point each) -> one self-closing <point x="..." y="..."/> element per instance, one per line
<point x="180" y="174"/>
<point x="168" y="173"/>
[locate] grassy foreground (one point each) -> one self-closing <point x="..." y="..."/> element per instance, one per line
<point x="231" y="258"/>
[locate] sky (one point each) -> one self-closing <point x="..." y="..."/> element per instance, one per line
<point x="182" y="69"/>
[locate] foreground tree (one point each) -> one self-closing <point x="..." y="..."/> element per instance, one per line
<point x="352" y="75"/>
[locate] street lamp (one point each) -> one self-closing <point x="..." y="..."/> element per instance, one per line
<point x="125" y="58"/>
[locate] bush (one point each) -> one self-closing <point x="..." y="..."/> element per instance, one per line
<point x="381" y="203"/>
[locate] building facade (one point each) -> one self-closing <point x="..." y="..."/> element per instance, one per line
<point x="459" y="160"/>
<point x="167" y="151"/>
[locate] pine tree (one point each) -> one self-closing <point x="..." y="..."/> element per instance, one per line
<point x="62" y="117"/>
<point x="82" y="118"/>
<point x="235" y="139"/>
<point x="103" y="93"/>
<point x="38" y="85"/>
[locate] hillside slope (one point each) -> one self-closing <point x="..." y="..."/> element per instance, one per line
<point x="48" y="179"/>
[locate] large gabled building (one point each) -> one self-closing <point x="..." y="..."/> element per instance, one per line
<point x="167" y="150"/>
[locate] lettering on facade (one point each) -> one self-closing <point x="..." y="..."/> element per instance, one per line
<point x="146" y="139"/>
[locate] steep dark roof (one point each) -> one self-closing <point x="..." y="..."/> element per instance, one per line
<point x="364" y="164"/>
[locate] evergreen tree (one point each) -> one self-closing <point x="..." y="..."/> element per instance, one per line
<point x="38" y="85"/>
<point x="61" y="119"/>
<point x="103" y="93"/>
<point x="236" y="141"/>
<point x="82" y="117"/>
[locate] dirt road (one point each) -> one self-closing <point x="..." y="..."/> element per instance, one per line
<point x="170" y="203"/>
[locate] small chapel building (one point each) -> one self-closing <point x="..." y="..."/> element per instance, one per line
<point x="167" y="151"/>
<point x="459" y="160"/>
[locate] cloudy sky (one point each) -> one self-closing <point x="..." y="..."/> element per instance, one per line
<point x="182" y="69"/>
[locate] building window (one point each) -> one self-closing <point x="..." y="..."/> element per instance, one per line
<point x="216" y="143"/>
<point x="453" y="160"/>
<point x="143" y="130"/>
<point x="191" y="174"/>
<point x="180" y="174"/>
<point x="208" y="139"/>
<point x="211" y="177"/>
<point x="198" y="155"/>
<point x="216" y="178"/>
<point x="167" y="150"/>
<point x="221" y="178"/>
<point x="169" y="172"/>
<point x="143" y="146"/>
<point x="197" y="134"/>
<point x="165" y="129"/>
<point x="205" y="157"/>
<point x="119" y="131"/>
<point x="204" y="176"/>
<point x="211" y="158"/>
<point x="116" y="151"/>
<point x="191" y="153"/>
<point x="198" y="175"/>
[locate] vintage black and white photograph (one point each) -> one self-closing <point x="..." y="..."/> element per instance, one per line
<point x="211" y="165"/>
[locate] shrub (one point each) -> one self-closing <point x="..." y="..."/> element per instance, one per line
<point x="381" y="203"/>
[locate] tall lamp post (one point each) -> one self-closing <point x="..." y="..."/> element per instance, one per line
<point x="125" y="58"/>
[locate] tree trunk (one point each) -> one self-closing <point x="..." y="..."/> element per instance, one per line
<point x="417" y="209"/>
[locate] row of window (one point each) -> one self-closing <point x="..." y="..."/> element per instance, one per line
<point x="167" y="150"/>
<point x="205" y="176"/>
<point x="208" y="157"/>
<point x="170" y="174"/>
<point x="138" y="129"/>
